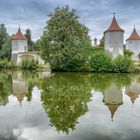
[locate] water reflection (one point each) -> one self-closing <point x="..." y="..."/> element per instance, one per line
<point x="133" y="91"/>
<point x="65" y="97"/>
<point x="5" y="87"/>
<point x="113" y="98"/>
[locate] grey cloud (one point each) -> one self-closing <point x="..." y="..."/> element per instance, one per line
<point x="96" y="14"/>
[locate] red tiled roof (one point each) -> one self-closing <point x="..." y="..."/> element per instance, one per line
<point x="18" y="36"/>
<point x="134" y="35"/>
<point x="114" y="27"/>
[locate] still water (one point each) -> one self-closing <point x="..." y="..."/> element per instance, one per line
<point x="69" y="106"/>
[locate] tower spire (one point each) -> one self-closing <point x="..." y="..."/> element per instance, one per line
<point x="134" y="35"/>
<point x="114" y="14"/>
<point x="18" y="26"/>
<point x="114" y="27"/>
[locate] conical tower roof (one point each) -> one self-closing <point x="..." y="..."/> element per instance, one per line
<point x="114" y="27"/>
<point x="134" y="35"/>
<point x="18" y="36"/>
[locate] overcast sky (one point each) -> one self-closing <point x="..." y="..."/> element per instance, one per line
<point x="95" y="14"/>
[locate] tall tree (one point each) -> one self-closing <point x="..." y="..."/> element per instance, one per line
<point x="65" y="40"/>
<point x="28" y="35"/>
<point x="36" y="45"/>
<point x="102" y="41"/>
<point x="5" y="43"/>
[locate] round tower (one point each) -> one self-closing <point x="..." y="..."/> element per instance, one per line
<point x="133" y="44"/>
<point x="114" y="37"/>
<point x="19" y="44"/>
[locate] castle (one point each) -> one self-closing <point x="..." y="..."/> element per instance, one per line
<point x="114" y="41"/>
<point x="20" y="49"/>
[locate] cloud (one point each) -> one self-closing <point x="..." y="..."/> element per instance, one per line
<point x="95" y="14"/>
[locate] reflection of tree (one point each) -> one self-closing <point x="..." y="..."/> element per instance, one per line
<point x="5" y="87"/>
<point x="122" y="80"/>
<point x="65" y="99"/>
<point x="28" y="75"/>
<point x="102" y="81"/>
<point x="29" y="94"/>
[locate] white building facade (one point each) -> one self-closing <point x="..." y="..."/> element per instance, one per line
<point x="133" y="44"/>
<point x="114" y="38"/>
<point x="19" y="45"/>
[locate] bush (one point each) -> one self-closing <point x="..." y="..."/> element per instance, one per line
<point x="29" y="64"/>
<point x="127" y="53"/>
<point x="5" y="64"/>
<point x="122" y="64"/>
<point x="101" y="62"/>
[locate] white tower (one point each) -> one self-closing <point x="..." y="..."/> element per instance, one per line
<point x="133" y="44"/>
<point x="114" y="37"/>
<point x="19" y="44"/>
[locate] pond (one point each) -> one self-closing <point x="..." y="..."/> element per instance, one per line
<point x="69" y="106"/>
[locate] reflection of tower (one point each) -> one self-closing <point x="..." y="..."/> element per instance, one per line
<point x="133" y="91"/>
<point x="20" y="98"/>
<point x="20" y="88"/>
<point x="133" y="96"/>
<point x="113" y="98"/>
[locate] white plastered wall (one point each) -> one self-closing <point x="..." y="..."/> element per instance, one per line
<point x="114" y="43"/>
<point x="134" y="46"/>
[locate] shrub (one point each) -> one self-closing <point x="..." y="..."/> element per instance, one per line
<point x="122" y="64"/>
<point x="74" y="65"/>
<point x="29" y="64"/>
<point x="101" y="62"/>
<point x="5" y="64"/>
<point x="127" y="53"/>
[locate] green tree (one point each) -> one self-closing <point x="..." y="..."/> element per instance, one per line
<point x="102" y="42"/>
<point x="65" y="41"/>
<point x="101" y="62"/>
<point x="36" y="45"/>
<point x="28" y="35"/>
<point x="122" y="64"/>
<point x="5" y="43"/>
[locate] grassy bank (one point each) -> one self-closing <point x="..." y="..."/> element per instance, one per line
<point x="26" y="65"/>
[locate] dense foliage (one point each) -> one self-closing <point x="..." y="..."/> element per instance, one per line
<point x="5" y="43"/>
<point x="65" y="41"/>
<point x="28" y="35"/>
<point x="127" y="53"/>
<point x="122" y="64"/>
<point x="5" y="64"/>
<point x="101" y="62"/>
